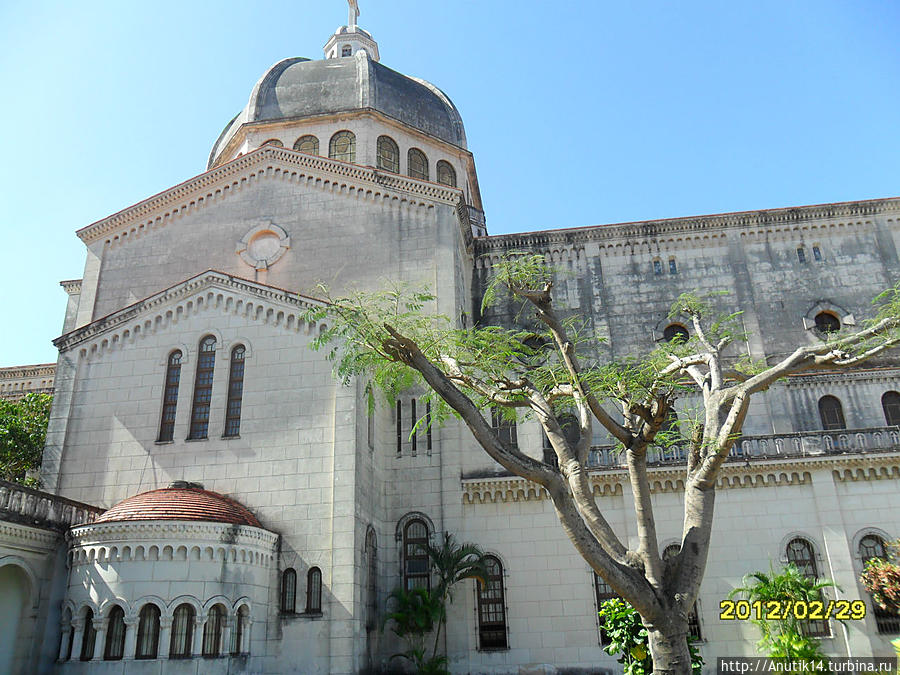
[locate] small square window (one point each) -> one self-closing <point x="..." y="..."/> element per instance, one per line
<point x="673" y="269"/>
<point x="801" y="255"/>
<point x="817" y="254"/>
<point x="657" y="267"/>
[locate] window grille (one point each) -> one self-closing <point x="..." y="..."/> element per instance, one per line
<point x="388" y="154"/>
<point x="603" y="592"/>
<point x="831" y="413"/>
<point x="89" y="637"/>
<point x="492" y="608"/>
<point x="801" y="255"/>
<point x="238" y="635"/>
<point x="673" y="268"/>
<point x="416" y="565"/>
<point x="289" y="591"/>
<point x="504" y="428"/>
<point x="800" y="553"/>
<point x="115" y="635"/>
<point x="308" y="145"/>
<point x="170" y="397"/>
<point x="890" y="403"/>
<point x="212" y="630"/>
<point x="206" y="361"/>
<point x="148" y="633"/>
<point x="182" y="632"/>
<point x="446" y="174"/>
<point x="314" y="591"/>
<point x="657" y="267"/>
<point x="417" y="164"/>
<point x="887" y="622"/>
<point x="817" y="254"/>
<point x="343" y="146"/>
<point x="235" y="392"/>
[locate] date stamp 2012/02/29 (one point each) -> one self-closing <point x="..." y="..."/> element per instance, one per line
<point x="778" y="610"/>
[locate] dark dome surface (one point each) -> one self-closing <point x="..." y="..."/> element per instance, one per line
<point x="297" y="88"/>
<point x="175" y="503"/>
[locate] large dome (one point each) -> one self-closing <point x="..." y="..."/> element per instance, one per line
<point x="180" y="503"/>
<point x="298" y="87"/>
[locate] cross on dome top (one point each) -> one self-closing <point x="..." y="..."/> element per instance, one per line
<point x="350" y="39"/>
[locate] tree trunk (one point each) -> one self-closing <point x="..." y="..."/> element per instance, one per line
<point x="669" y="647"/>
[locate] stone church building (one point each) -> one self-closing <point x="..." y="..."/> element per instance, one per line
<point x="214" y="501"/>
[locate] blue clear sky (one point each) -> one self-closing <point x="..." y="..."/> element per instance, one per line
<point x="578" y="113"/>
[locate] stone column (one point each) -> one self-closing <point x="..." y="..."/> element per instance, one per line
<point x="165" y="637"/>
<point x="131" y="625"/>
<point x="100" y="641"/>
<point x="78" y="627"/>
<point x="245" y="637"/>
<point x="197" y="648"/>
<point x="67" y="628"/>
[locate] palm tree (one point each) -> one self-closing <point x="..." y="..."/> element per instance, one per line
<point x="782" y="633"/>
<point x="452" y="562"/>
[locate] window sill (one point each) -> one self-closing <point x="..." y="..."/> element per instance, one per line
<point x="492" y="650"/>
<point x="301" y="615"/>
<point x="194" y="440"/>
<point x="163" y="442"/>
<point x="229" y="438"/>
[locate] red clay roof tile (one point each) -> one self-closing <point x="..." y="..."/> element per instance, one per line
<point x="180" y="504"/>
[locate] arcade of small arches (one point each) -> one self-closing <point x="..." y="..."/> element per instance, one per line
<point x="151" y="629"/>
<point x="342" y="147"/>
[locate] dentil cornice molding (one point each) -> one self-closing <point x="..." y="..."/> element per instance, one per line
<point x="214" y="289"/>
<point x="769" y="473"/>
<point x="266" y="163"/>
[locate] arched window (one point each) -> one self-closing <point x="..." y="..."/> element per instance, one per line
<point x="314" y="591"/>
<point x="115" y="635"/>
<point x="170" y="397"/>
<point x="492" y="607"/>
<point x="182" y="632"/>
<point x="89" y="637"/>
<point x="206" y="361"/>
<point x="831" y="413"/>
<point x="416" y="565"/>
<point x="673" y="267"/>
<point x="504" y="428"/>
<point x="417" y="164"/>
<point x="235" y="392"/>
<point x="826" y="322"/>
<point x="890" y="403"/>
<point x="446" y="174"/>
<point x="872" y="546"/>
<point x="603" y="592"/>
<point x="388" y="155"/>
<point x="343" y="146"/>
<point x="289" y="591"/>
<point x="657" y="266"/>
<point x="212" y="631"/>
<point x="148" y="633"/>
<point x="308" y="145"/>
<point x="239" y="634"/>
<point x="371" y="581"/>
<point x="800" y="552"/>
<point x="676" y="333"/>
<point x="275" y="142"/>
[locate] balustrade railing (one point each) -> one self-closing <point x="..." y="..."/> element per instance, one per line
<point x="772" y="446"/>
<point x="20" y="504"/>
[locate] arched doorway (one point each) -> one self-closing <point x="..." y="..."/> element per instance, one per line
<point x="15" y="590"/>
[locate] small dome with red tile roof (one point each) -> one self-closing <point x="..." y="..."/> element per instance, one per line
<point x="180" y="501"/>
